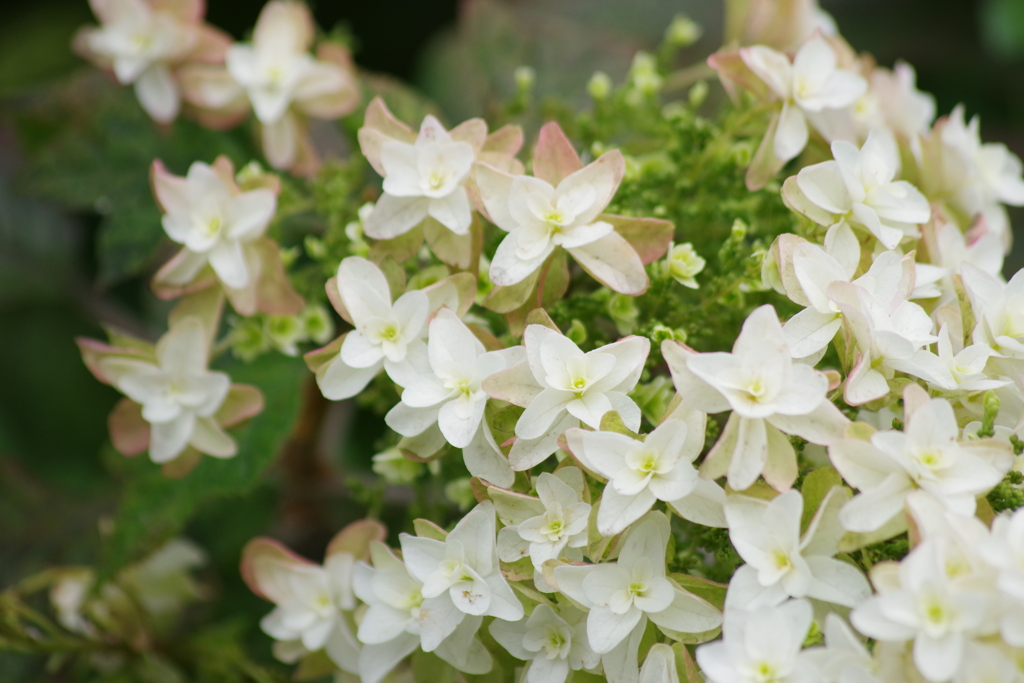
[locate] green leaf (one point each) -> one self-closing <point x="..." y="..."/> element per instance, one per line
<point x="154" y="508"/>
<point x="702" y="588"/>
<point x="816" y="486"/>
<point x="612" y="422"/>
<point x="426" y="529"/>
<point x="429" y="668"/>
<point x="89" y="146"/>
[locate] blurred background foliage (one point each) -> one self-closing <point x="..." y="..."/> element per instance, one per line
<point x="73" y="147"/>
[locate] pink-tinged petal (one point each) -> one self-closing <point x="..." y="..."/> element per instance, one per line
<point x="274" y="292"/>
<point x="171" y="191"/>
<point x="93" y="351"/>
<point x="284" y="28"/>
<point x="649" y="237"/>
<point x="243" y="402"/>
<point x="344" y="95"/>
<point x="317" y="360"/>
<point x="214" y="98"/>
<point x="515" y="385"/>
<point x="454" y="249"/>
<point x="602" y="176"/>
<point x="379" y="126"/>
<point x="506" y="141"/>
<point x="355" y="539"/>
<point x="733" y="71"/>
<point x="765" y="163"/>
<point x="612" y="262"/>
<point x="795" y="199"/>
<point x="129" y="432"/>
<point x="187" y="11"/>
<point x="554" y="157"/>
<point x="473" y="131"/>
<point x="211" y="44"/>
<point x="182" y="464"/>
<point x="261" y="551"/>
<point x="280" y="141"/>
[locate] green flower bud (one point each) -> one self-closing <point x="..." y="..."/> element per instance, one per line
<point x="684" y="263"/>
<point x="683" y="31"/>
<point x="248" y="340"/>
<point x="285" y="332"/>
<point x="698" y="93"/>
<point x="318" y="324"/>
<point x="314" y="247"/>
<point x="653" y="398"/>
<point x="525" y="77"/>
<point x="623" y="312"/>
<point x="600" y="86"/>
<point x="660" y="333"/>
<point x="577" y="333"/>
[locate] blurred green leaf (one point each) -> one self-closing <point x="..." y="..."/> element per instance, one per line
<point x="89" y="147"/>
<point x="154" y="508"/>
<point x="1002" y="27"/>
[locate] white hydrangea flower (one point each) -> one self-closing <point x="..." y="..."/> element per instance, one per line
<point x="560" y="387"/>
<point x="844" y="657"/>
<point x="814" y="269"/>
<point x="539" y="217"/>
<point x="425" y="178"/>
<point x="761" y="645"/>
<point x="386" y="335"/>
<point x="917" y="600"/>
<point x="553" y="643"/>
<point x="216" y="222"/>
<point x="780" y="561"/>
<point x="464" y="567"/>
<point x="310" y="600"/>
<point x="398" y="620"/>
<point x="278" y="75"/>
<point x="926" y="458"/>
<point x="178" y="393"/>
<point x="551" y="526"/>
<point x="810" y="88"/>
<point x="624" y="594"/>
<point x="890" y="335"/>
<point x="769" y="395"/>
<point x="859" y="186"/>
<point x="450" y="396"/>
<point x="641" y="472"/>
<point x="141" y="42"/>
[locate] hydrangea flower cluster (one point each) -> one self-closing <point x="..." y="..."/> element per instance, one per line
<point x="874" y="398"/>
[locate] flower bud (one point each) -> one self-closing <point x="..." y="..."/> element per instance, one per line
<point x="623" y="312"/>
<point x="600" y="86"/>
<point x="684" y="264"/>
<point x="317" y="323"/>
<point x="683" y="31"/>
